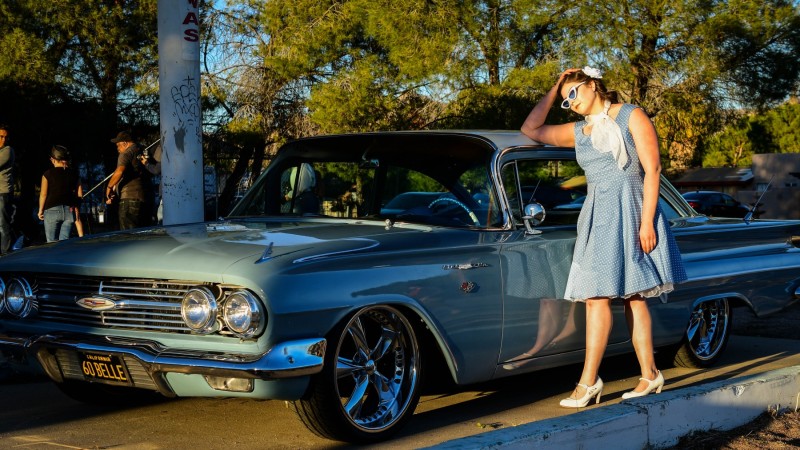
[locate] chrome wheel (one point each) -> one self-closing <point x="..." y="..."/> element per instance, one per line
<point x="373" y="376"/>
<point x="707" y="334"/>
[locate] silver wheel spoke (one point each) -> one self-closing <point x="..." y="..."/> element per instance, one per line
<point x="356" y="332"/>
<point x="346" y="367"/>
<point x="388" y="391"/>
<point x="353" y="406"/>
<point x="694" y="325"/>
<point x="385" y="343"/>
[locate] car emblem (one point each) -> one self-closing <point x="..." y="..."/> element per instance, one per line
<point x="96" y="303"/>
<point x="468" y="286"/>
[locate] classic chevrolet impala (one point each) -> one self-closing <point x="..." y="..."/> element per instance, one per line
<point x="354" y="265"/>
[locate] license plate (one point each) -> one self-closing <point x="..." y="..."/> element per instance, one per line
<point x="104" y="367"/>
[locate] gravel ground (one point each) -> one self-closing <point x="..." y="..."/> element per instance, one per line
<point x="773" y="429"/>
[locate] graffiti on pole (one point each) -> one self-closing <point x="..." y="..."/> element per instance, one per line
<point x="187" y="111"/>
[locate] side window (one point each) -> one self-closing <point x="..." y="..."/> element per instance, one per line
<point x="408" y="191"/>
<point x="558" y="185"/>
<point x="509" y="176"/>
<point x="482" y="199"/>
<point x="667" y="209"/>
<point x="465" y="201"/>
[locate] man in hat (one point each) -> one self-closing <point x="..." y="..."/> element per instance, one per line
<point x="127" y="182"/>
<point x="6" y="189"/>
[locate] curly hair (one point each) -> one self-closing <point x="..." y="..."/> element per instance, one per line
<point x="600" y="87"/>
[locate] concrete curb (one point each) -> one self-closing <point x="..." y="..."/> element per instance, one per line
<point x="655" y="421"/>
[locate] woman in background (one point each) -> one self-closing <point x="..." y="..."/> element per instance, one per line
<point x="59" y="196"/>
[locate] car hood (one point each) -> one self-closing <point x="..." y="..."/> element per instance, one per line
<point x="201" y="251"/>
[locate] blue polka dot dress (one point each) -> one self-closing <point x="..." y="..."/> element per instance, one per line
<point x="608" y="260"/>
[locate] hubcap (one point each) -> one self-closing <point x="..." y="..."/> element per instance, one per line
<point x="708" y="327"/>
<point x="377" y="368"/>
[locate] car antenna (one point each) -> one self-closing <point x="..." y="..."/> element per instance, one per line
<point x="749" y="216"/>
<point x="533" y="194"/>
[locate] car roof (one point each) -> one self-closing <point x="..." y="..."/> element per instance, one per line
<point x="496" y="139"/>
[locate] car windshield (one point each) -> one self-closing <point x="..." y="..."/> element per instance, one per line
<point x="420" y="183"/>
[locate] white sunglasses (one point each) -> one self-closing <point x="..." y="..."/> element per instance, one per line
<point x="571" y="95"/>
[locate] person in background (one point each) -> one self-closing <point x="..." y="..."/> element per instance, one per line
<point x="59" y="196"/>
<point x="127" y="182"/>
<point x="152" y="162"/>
<point x="77" y="210"/>
<point x="6" y="189"/>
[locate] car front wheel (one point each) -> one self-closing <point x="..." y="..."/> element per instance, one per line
<point x="370" y="383"/>
<point x="707" y="334"/>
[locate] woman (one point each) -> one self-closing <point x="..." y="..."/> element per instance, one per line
<point x="59" y="196"/>
<point x="624" y="248"/>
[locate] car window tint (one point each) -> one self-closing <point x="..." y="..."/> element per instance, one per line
<point x="439" y="193"/>
<point x="558" y="185"/>
<point x="667" y="209"/>
<point x="413" y="196"/>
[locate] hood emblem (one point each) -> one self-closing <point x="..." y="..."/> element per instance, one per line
<point x="96" y="303"/>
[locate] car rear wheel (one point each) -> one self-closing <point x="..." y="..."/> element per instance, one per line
<point x="370" y="384"/>
<point x="707" y="334"/>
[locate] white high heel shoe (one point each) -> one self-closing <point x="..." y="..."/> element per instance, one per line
<point x="652" y="385"/>
<point x="592" y="391"/>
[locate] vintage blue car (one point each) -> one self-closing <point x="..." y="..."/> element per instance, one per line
<point x="314" y="291"/>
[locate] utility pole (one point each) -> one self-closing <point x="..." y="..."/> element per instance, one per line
<point x="181" y="120"/>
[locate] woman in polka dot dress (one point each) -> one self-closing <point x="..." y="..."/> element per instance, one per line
<point x="624" y="247"/>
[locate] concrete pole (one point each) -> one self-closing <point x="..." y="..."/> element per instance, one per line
<point x="179" y="91"/>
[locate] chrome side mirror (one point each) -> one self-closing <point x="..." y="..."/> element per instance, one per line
<point x="533" y="215"/>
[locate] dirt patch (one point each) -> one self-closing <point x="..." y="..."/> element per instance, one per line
<point x="773" y="429"/>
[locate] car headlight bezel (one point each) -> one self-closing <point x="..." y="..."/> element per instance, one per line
<point x="22" y="305"/>
<point x="243" y="314"/>
<point x="206" y="300"/>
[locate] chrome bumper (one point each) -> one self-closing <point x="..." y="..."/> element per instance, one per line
<point x="284" y="360"/>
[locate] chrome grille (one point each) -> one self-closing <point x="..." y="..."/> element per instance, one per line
<point x="143" y="304"/>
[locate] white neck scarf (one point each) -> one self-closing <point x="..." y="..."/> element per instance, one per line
<point x="606" y="135"/>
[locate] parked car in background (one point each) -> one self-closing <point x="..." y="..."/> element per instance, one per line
<point x="715" y="204"/>
<point x="573" y="205"/>
<point x="346" y="310"/>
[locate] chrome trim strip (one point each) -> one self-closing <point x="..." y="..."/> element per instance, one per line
<point x="341" y="252"/>
<point x="284" y="360"/>
<point x="742" y="272"/>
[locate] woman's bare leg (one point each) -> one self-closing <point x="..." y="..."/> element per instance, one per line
<point x="639" y="323"/>
<point x="598" y="328"/>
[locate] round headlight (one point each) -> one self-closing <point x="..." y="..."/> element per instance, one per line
<point x="242" y="314"/>
<point x="199" y="310"/>
<point x="2" y="296"/>
<point x="19" y="298"/>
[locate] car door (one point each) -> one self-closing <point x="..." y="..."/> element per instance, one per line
<point x="537" y="320"/>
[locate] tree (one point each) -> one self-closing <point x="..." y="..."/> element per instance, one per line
<point x="79" y="57"/>
<point x="732" y="147"/>
<point x="686" y="61"/>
